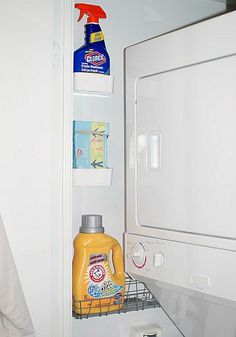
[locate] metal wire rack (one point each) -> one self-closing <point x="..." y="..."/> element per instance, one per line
<point x="137" y="297"/>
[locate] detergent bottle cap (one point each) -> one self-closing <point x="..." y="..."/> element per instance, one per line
<point x="91" y="223"/>
<point x="93" y="12"/>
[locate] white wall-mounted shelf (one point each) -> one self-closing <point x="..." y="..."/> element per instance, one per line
<point x="91" y="82"/>
<point x="92" y="177"/>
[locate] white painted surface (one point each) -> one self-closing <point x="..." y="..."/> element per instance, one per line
<point x="92" y="177"/>
<point x="31" y="164"/>
<point x="93" y="82"/>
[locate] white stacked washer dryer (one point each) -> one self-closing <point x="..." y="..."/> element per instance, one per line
<point x="181" y="173"/>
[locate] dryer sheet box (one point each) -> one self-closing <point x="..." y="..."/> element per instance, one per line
<point x="90" y="144"/>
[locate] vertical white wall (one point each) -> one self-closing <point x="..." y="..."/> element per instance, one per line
<point x="128" y="22"/>
<point x="30" y="164"/>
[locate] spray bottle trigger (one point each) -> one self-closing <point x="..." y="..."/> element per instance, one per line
<point x="93" y="12"/>
<point x="82" y="12"/>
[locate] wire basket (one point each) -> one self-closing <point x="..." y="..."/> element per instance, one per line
<point x="137" y="297"/>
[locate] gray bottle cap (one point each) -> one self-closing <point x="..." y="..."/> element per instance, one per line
<point x="91" y="223"/>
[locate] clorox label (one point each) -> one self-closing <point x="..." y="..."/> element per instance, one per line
<point x="95" y="58"/>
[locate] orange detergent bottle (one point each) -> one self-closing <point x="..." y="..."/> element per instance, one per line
<point x="98" y="270"/>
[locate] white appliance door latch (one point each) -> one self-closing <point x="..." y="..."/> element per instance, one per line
<point x="154" y="150"/>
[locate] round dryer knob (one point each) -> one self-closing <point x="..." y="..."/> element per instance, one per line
<point x="138" y="255"/>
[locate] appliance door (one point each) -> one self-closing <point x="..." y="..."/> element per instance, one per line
<point x="181" y="173"/>
<point x="180" y="134"/>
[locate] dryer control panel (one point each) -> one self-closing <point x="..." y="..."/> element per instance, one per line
<point x="203" y="269"/>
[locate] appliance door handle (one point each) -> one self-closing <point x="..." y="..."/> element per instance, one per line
<point x="154" y="150"/>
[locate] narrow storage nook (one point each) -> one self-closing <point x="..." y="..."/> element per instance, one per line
<point x="98" y="98"/>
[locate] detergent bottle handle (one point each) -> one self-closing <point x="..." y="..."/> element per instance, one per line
<point x="117" y="259"/>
